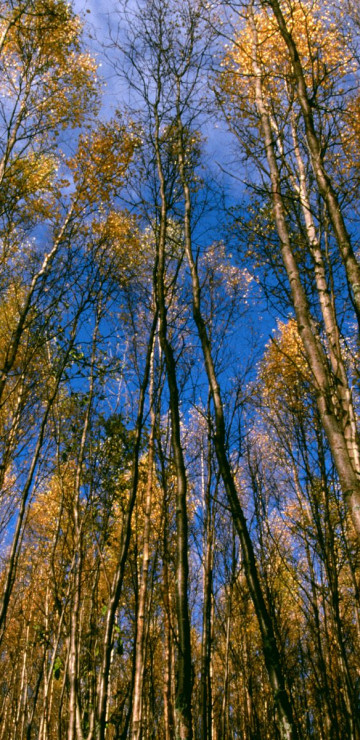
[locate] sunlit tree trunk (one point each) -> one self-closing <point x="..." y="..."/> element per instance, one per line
<point x="348" y="475"/>
<point x="323" y="179"/>
<point x="75" y="728"/>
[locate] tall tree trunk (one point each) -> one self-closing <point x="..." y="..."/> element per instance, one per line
<point x="270" y="649"/>
<point x="140" y="647"/>
<point x="323" y="179"/>
<point x="168" y="684"/>
<point x="117" y="584"/>
<point x="75" y="729"/>
<point x="184" y="667"/>
<point x="342" y="395"/>
<point x="348" y="476"/>
<point x="206" y="697"/>
<point x="226" y="684"/>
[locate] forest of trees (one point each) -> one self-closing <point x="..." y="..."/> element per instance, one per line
<point x="179" y="371"/>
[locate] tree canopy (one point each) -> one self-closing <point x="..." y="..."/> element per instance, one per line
<point x="179" y="371"/>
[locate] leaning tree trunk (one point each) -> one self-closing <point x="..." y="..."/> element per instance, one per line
<point x="323" y="179"/>
<point x="346" y="465"/>
<point x="270" y="649"/>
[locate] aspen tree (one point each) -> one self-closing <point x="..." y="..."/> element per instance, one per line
<point x="256" y="64"/>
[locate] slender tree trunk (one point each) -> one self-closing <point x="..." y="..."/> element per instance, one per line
<point x="22" y="698"/>
<point x="169" y="723"/>
<point x="168" y="693"/>
<point x="117" y="584"/>
<point x="327" y="717"/>
<point x="140" y="647"/>
<point x="342" y="393"/>
<point x="18" y="533"/>
<point x="60" y="708"/>
<point x="75" y="729"/>
<point x="48" y="683"/>
<point x="323" y="179"/>
<point x="206" y="697"/>
<point x="167" y="605"/>
<point x="184" y="667"/>
<point x="348" y="476"/>
<point x="226" y="686"/>
<point x="271" y="652"/>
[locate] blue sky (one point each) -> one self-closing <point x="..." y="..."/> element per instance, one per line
<point x="221" y="150"/>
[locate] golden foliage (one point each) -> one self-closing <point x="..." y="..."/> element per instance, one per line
<point x="350" y="136"/>
<point x="120" y="251"/>
<point x="42" y="57"/>
<point x="321" y="47"/>
<point x="33" y="173"/>
<point x="284" y="370"/>
<point x="102" y="159"/>
<point x="32" y="179"/>
<point x="47" y="84"/>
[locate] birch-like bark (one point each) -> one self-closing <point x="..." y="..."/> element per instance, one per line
<point x="323" y="179"/>
<point x="168" y="684"/>
<point x="22" y="698"/>
<point x="348" y="476"/>
<point x="342" y="390"/>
